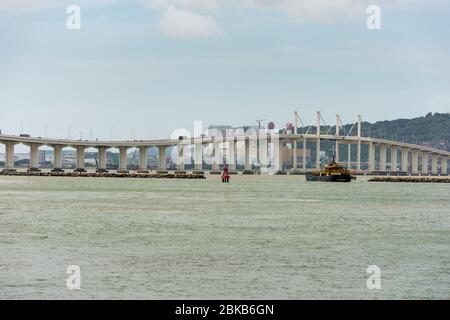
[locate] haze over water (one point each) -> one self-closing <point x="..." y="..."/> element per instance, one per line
<point x="268" y="237"/>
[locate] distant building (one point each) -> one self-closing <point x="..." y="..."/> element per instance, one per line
<point x="42" y="156"/>
<point x="288" y="156"/>
<point x="220" y="130"/>
<point x="227" y="130"/>
<point x="252" y="129"/>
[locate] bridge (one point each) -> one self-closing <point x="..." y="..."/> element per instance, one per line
<point x="253" y="148"/>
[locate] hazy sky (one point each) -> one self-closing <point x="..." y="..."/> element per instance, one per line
<point x="152" y="66"/>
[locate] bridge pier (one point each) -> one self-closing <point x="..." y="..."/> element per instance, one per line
<point x="358" y="156"/>
<point x="424" y="170"/>
<point x="80" y="167"/>
<point x="444" y="168"/>
<point x="180" y="154"/>
<point x="371" y="159"/>
<point x="394" y="158"/>
<point x="304" y="153"/>
<point x="143" y="159"/>
<point x="382" y="157"/>
<point x="278" y="155"/>
<point x="318" y="154"/>
<point x="34" y="157"/>
<point x="216" y="156"/>
<point x="294" y="160"/>
<point x="57" y="158"/>
<point x="123" y="160"/>
<point x="434" y="164"/>
<point x="247" y="163"/>
<point x="349" y="155"/>
<point x="101" y="159"/>
<point x="336" y="152"/>
<point x="198" y="157"/>
<point x="415" y="162"/>
<point x="318" y="141"/>
<point x="9" y="156"/>
<point x="405" y="159"/>
<point x="231" y="160"/>
<point x="264" y="155"/>
<point x="162" y="167"/>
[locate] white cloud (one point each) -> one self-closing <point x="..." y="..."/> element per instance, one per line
<point x="313" y="10"/>
<point x="186" y="25"/>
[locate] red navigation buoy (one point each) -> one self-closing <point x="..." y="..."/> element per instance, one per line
<point x="225" y="175"/>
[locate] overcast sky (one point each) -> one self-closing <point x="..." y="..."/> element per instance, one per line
<point x="143" y="68"/>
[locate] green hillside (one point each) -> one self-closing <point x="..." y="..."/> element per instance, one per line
<point x="432" y="129"/>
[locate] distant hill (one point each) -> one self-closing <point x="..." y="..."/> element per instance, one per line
<point x="430" y="130"/>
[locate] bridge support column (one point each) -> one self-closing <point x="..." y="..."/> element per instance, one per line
<point x="34" y="157"/>
<point x="143" y="159"/>
<point x="9" y="156"/>
<point x="231" y="160"/>
<point x="216" y="157"/>
<point x="434" y="164"/>
<point x="394" y="158"/>
<point x="294" y="160"/>
<point x="318" y="154"/>
<point x="80" y="159"/>
<point x="304" y="153"/>
<point x="336" y="152"/>
<point x="358" y="156"/>
<point x="123" y="159"/>
<point x="318" y="118"/>
<point x="101" y="159"/>
<point x="198" y="157"/>
<point x="371" y="160"/>
<point x="444" y="168"/>
<point x="405" y="159"/>
<point x="382" y="157"/>
<point x="415" y="162"/>
<point x="162" y="167"/>
<point x="424" y="163"/>
<point x="57" y="159"/>
<point x="247" y="164"/>
<point x="349" y="155"/>
<point x="278" y="156"/>
<point x="180" y="162"/>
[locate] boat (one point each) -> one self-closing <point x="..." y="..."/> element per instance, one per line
<point x="333" y="172"/>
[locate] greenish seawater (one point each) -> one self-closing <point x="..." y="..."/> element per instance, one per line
<point x="268" y="237"/>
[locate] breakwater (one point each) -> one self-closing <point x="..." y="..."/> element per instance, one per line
<point x="415" y="179"/>
<point x="167" y="175"/>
